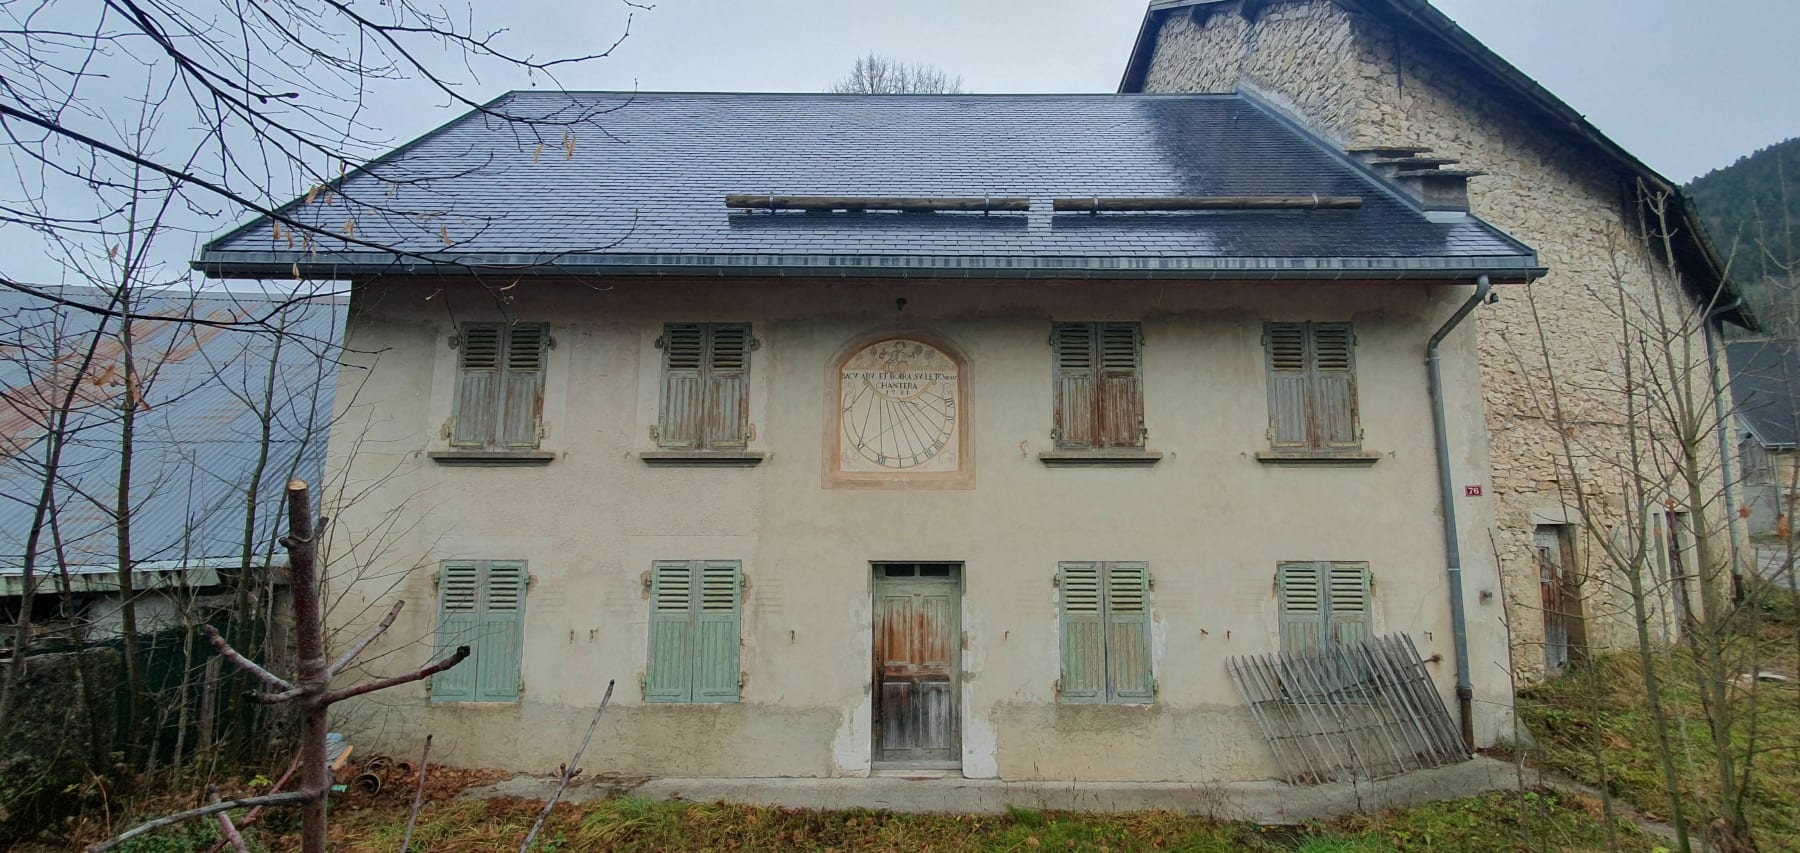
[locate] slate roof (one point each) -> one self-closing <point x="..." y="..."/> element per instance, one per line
<point x="1765" y="388"/>
<point x="198" y="437"/>
<point x="642" y="190"/>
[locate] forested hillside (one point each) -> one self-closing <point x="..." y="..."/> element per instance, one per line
<point x="1752" y="208"/>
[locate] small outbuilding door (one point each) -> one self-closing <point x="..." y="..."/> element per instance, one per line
<point x="916" y="652"/>
<point x="1557" y="599"/>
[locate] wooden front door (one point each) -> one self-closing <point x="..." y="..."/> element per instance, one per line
<point x="1553" y="581"/>
<point x="917" y="649"/>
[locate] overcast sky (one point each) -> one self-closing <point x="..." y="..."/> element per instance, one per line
<point x="1687" y="86"/>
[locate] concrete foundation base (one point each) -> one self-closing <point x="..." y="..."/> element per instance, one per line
<point x="1256" y="802"/>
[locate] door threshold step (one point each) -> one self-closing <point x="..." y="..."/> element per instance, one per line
<point x="919" y="773"/>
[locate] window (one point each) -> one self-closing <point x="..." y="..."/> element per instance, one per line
<point x="1106" y="633"/>
<point x="481" y="604"/>
<point x="1323" y="605"/>
<point x="706" y="387"/>
<point x="1099" y="385"/>
<point x="1312" y="387"/>
<point x="694" y="613"/>
<point x="500" y="385"/>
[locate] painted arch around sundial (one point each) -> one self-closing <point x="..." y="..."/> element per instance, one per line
<point x="900" y="409"/>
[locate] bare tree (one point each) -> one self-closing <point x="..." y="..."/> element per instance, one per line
<point x="875" y="74"/>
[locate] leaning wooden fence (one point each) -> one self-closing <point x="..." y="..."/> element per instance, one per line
<point x="1356" y="711"/>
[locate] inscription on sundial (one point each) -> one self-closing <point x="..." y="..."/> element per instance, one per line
<point x="898" y="402"/>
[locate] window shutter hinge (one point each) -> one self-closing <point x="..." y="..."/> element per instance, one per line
<point x="750" y="432"/>
<point x="659" y="341"/>
<point x="1155" y="687"/>
<point x="655" y="432"/>
<point x="743" y="679"/>
<point x="455" y="341"/>
<point x="644" y="683"/>
<point x="1056" y="687"/>
<point x="1149" y="581"/>
<point x="743" y="581"/>
<point x="1056" y="580"/>
<point x="755" y="344"/>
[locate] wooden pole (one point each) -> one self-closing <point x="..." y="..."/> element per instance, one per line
<point x="904" y="204"/>
<point x="313" y="676"/>
<point x="1104" y="204"/>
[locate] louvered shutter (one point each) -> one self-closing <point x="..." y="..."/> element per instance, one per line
<point x="1284" y="345"/>
<point x="1128" y="671"/>
<point x="1334" y="386"/>
<point x="1348" y="612"/>
<point x="1302" y="607"/>
<point x="1120" y="407"/>
<point x="1075" y="380"/>
<point x="716" y="632"/>
<point x="459" y="608"/>
<point x="684" y="387"/>
<point x="669" y="670"/>
<point x="727" y="419"/>
<point x="1083" y="633"/>
<point x="477" y="385"/>
<point x="500" y="640"/>
<point x="522" y="391"/>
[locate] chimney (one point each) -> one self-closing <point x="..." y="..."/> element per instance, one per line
<point x="1423" y="178"/>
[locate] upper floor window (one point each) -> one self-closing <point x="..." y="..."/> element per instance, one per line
<point x="1099" y="385"/>
<point x="1312" y="387"/>
<point x="706" y="387"/>
<point x="499" y="385"/>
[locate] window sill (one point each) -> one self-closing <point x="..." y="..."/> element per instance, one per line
<point x="1100" y="458"/>
<point x="491" y="457"/>
<point x="1318" y="458"/>
<point x="704" y="458"/>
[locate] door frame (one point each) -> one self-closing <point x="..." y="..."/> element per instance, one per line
<point x="954" y="579"/>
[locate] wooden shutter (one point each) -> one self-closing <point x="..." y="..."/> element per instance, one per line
<point x="1334" y="386"/>
<point x="1083" y="633"/>
<point x="522" y="389"/>
<point x="727" y="416"/>
<point x="1075" y="359"/>
<point x="1120" y="404"/>
<point x="1348" y="608"/>
<point x="1284" y="344"/>
<point x="684" y="389"/>
<point x="459" y="616"/>
<point x="1128" y="672"/>
<point x="500" y="640"/>
<point x="716" y="632"/>
<point x="669" y="670"/>
<point x="477" y="385"/>
<point x="1302" y="607"/>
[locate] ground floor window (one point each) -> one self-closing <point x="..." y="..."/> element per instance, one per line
<point x="481" y="604"/>
<point x="1105" y="633"/>
<point x="695" y="610"/>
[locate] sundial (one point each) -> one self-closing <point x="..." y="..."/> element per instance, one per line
<point x="897" y="413"/>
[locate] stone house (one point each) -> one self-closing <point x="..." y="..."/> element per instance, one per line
<point x="1764" y="378"/>
<point x="984" y="452"/>
<point x="1398" y="75"/>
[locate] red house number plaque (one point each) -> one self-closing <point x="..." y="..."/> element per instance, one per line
<point x="1471" y="491"/>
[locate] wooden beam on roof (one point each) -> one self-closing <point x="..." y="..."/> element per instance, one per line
<point x="1103" y="204"/>
<point x="904" y="204"/>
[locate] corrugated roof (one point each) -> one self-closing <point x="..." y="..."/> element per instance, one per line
<point x="198" y="434"/>
<point x="1765" y="388"/>
<point x="643" y="188"/>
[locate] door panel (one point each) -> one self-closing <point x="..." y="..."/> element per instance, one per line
<point x="915" y="656"/>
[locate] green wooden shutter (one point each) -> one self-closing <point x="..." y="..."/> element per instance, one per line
<point x="1128" y="671"/>
<point x="684" y="389"/>
<point x="1083" y="633"/>
<point x="1075" y="379"/>
<point x="1302" y="607"/>
<point x="500" y="639"/>
<point x="716" y="632"/>
<point x="1119" y="415"/>
<point x="669" y="670"/>
<point x="1348" y="604"/>
<point x="477" y="385"/>
<point x="1284" y="345"/>
<point x="459" y="608"/>
<point x="1334" y="386"/>
<point x="727" y="417"/>
<point x="522" y="386"/>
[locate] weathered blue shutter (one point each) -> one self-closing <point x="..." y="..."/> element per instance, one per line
<point x="1348" y="605"/>
<point x="1284" y="345"/>
<point x="727" y="418"/>
<point x="459" y="609"/>
<point x="684" y="388"/>
<point x="1120" y="415"/>
<point x="1128" y="671"/>
<point x="716" y="632"/>
<point x="477" y="385"/>
<point x="1334" y="386"/>
<point x="1074" y="361"/>
<point x="522" y="389"/>
<point x="1302" y="607"/>
<point x="1083" y="633"/>
<point x="500" y="640"/>
<point x="669" y="670"/>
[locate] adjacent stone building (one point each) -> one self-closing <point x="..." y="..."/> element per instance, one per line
<point x="1398" y="80"/>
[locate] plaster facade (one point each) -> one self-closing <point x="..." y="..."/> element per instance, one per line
<point x="1209" y="518"/>
<point x="1349" y="78"/>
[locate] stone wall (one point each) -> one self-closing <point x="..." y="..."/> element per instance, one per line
<point x="1352" y="81"/>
